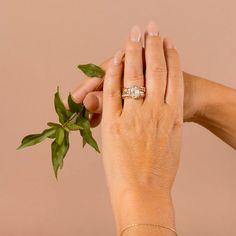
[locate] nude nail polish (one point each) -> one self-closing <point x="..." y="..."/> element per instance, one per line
<point x="117" y="59"/>
<point x="152" y="29"/>
<point x="135" y="34"/>
<point x="169" y="43"/>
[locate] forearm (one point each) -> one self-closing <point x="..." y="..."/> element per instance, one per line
<point x="143" y="208"/>
<point x="216" y="109"/>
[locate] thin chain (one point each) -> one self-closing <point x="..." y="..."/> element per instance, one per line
<point x="132" y="225"/>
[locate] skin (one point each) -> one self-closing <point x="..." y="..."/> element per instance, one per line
<point x="206" y="103"/>
<point x="141" y="193"/>
<point x="141" y="162"/>
<point x="217" y="110"/>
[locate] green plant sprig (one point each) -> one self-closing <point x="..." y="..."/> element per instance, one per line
<point x="75" y="118"/>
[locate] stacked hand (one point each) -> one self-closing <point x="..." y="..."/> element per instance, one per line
<point x="141" y="138"/>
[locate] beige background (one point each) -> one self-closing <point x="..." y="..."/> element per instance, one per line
<point x="41" y="43"/>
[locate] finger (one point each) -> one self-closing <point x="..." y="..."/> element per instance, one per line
<point x="133" y="71"/>
<point x="174" y="93"/>
<point x="95" y="120"/>
<point x="87" y="85"/>
<point x="156" y="71"/>
<point x="112" y="102"/>
<point x="93" y="102"/>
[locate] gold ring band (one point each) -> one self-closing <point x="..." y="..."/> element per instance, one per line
<point x="134" y="92"/>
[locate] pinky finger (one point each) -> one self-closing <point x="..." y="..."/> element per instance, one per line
<point x="174" y="91"/>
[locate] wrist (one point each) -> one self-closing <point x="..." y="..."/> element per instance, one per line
<point x="195" y="97"/>
<point x="208" y="96"/>
<point x="136" y="206"/>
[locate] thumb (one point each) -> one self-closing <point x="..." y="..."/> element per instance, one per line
<point x="93" y="101"/>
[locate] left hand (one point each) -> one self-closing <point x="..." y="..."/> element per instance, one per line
<point x="141" y="140"/>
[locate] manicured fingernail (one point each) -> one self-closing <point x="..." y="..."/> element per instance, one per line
<point x="135" y="34"/>
<point x="169" y="43"/>
<point x="152" y="28"/>
<point x="118" y="57"/>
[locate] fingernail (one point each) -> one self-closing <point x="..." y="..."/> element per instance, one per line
<point x="118" y="57"/>
<point x="152" y="28"/>
<point x="135" y="34"/>
<point x="169" y="43"/>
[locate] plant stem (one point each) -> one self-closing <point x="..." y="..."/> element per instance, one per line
<point x="71" y="118"/>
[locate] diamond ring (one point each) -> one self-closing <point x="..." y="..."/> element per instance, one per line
<point x="133" y="92"/>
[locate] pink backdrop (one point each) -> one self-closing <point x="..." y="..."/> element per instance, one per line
<point x="41" y="43"/>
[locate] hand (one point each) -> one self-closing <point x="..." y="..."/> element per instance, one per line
<point x="141" y="140"/>
<point x="216" y="113"/>
<point x="93" y="100"/>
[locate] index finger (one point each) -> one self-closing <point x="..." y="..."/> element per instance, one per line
<point x="87" y="85"/>
<point x="112" y="102"/>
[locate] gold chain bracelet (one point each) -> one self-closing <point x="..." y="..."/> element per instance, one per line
<point x="132" y="225"/>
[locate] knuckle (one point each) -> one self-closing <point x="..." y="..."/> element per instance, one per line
<point x="112" y="73"/>
<point x="133" y="48"/>
<point x="178" y="123"/>
<point x="175" y="72"/>
<point x="158" y="69"/>
<point x="133" y="76"/>
<point x="86" y="90"/>
<point x="175" y="117"/>
<point x="131" y="118"/>
<point x="153" y="115"/>
<point x="173" y="58"/>
<point x="174" y="67"/>
<point x="114" y="128"/>
<point x="111" y="93"/>
<point x="171" y="111"/>
<point x="172" y="52"/>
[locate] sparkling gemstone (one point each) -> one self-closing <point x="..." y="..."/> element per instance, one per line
<point x="134" y="91"/>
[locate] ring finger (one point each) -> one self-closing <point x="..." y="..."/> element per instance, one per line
<point x="133" y="70"/>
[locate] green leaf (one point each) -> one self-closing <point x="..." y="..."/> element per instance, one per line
<point x="74" y="106"/>
<point x="66" y="129"/>
<point x="59" y="153"/>
<point x="52" y="124"/>
<point x="72" y="126"/>
<point x="62" y="112"/>
<point x="60" y="134"/>
<point x="84" y="113"/>
<point x="56" y="160"/>
<point x="92" y="70"/>
<point x="33" y="139"/>
<point x="55" y="126"/>
<point x="86" y="133"/>
<point x="52" y="136"/>
<point x="83" y="141"/>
